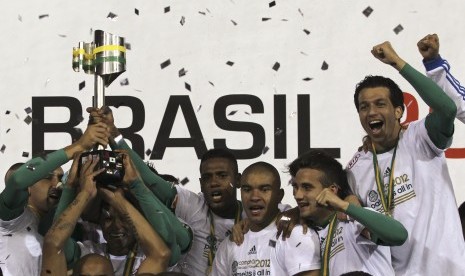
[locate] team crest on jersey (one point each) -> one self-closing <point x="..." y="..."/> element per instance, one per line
<point x="353" y="161"/>
<point x="373" y="196"/>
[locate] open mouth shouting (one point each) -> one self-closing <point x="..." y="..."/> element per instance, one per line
<point x="256" y="210"/>
<point x="54" y="193"/>
<point x="375" y="126"/>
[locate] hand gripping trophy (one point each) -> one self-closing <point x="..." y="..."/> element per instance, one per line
<point x="105" y="58"/>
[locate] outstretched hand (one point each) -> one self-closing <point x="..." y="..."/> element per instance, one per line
<point x="105" y="115"/>
<point x="385" y="53"/>
<point x="428" y="46"/>
<point x="87" y="176"/>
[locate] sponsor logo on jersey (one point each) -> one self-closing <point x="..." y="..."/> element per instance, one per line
<point x="253" y="250"/>
<point x="373" y="195"/>
<point x="353" y="161"/>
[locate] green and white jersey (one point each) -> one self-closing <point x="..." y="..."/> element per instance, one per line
<point x="262" y="254"/>
<point x="424" y="203"/>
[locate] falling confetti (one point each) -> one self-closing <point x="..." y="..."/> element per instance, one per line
<point x="234" y="22"/>
<point x="199" y="107"/>
<point x="8" y="130"/>
<point x="43" y="16"/>
<point x="398" y="29"/>
<point x="230" y="184"/>
<point x="25" y="154"/>
<point x="278" y="131"/>
<point x="201" y="12"/>
<point x="184" y="181"/>
<point x="167" y="9"/>
<point x="182" y="72"/>
<point x="20" y="18"/>
<point x="293" y="113"/>
<point x="136" y="11"/>
<point x="28" y="110"/>
<point x="276" y="66"/>
<point x="28" y="119"/>
<point x="324" y="66"/>
<point x="298" y="244"/>
<point x="230" y="63"/>
<point x="127" y="46"/>
<point x="112" y="16"/>
<point x="165" y="64"/>
<point x="307" y="79"/>
<point x="148" y="152"/>
<point x="265" y="150"/>
<point x="183" y="20"/>
<point x="187" y="86"/>
<point x="303" y="53"/>
<point x="3" y="148"/>
<point x="61" y="35"/>
<point x="124" y="82"/>
<point x="367" y="11"/>
<point x="272" y="4"/>
<point x="211" y="83"/>
<point x="301" y="13"/>
<point x="7" y="112"/>
<point x="265" y="18"/>
<point x="232" y="112"/>
<point x="306" y="31"/>
<point x="272" y="243"/>
<point x="82" y="84"/>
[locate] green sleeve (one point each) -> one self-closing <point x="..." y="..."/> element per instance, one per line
<point x="384" y="230"/>
<point x="67" y="196"/>
<point x="162" y="189"/>
<point x="14" y="197"/>
<point x="165" y="223"/>
<point x="72" y="252"/>
<point x="440" y="122"/>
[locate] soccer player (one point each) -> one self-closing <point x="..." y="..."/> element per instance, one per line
<point x="404" y="173"/>
<point x="261" y="253"/>
<point x="319" y="185"/>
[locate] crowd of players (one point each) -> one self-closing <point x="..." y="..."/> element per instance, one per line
<point x="391" y="211"/>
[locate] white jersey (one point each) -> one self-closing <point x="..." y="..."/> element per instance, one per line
<point x="262" y="254"/>
<point x="350" y="251"/>
<point x="424" y="203"/>
<point x="20" y="245"/>
<point x="118" y="262"/>
<point x="439" y="71"/>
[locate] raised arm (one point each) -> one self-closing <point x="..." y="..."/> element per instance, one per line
<point x="440" y="122"/>
<point x="156" y="252"/>
<point x="438" y="69"/>
<point x="15" y="195"/>
<point x="53" y="259"/>
<point x="383" y="229"/>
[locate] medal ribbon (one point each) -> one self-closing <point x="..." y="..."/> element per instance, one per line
<point x="211" y="253"/>
<point x="329" y="241"/>
<point x="386" y="200"/>
<point x="130" y="259"/>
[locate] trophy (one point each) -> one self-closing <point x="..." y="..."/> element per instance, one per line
<point x="105" y="58"/>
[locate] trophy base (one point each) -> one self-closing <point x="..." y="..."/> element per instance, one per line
<point x="109" y="160"/>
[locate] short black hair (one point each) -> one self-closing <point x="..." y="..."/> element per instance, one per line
<point x="333" y="172"/>
<point x="220" y="153"/>
<point x="395" y="94"/>
<point x="265" y="166"/>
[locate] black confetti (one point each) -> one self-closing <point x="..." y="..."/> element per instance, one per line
<point x="148" y="152"/>
<point x="43" y="16"/>
<point x="28" y="119"/>
<point x="232" y="112"/>
<point x="272" y="4"/>
<point x="28" y="110"/>
<point x="208" y="10"/>
<point x="182" y="72"/>
<point x="284" y="19"/>
<point x="324" y="66"/>
<point x="230" y="63"/>
<point x="124" y="82"/>
<point x="278" y="131"/>
<point x="28" y="228"/>
<point x="298" y="244"/>
<point x="3" y="148"/>
<point x="265" y="150"/>
<point x="167" y="9"/>
<point x="7" y="112"/>
<point x="17" y="116"/>
<point x="234" y="22"/>
<point x="184" y="181"/>
<point x="136" y="11"/>
<point x="276" y="66"/>
<point x="8" y="130"/>
<point x="198" y="108"/>
<point x="183" y="20"/>
<point x="202" y="12"/>
<point x="187" y="86"/>
<point x="127" y="46"/>
<point x="398" y="29"/>
<point x="367" y="11"/>
<point x="82" y="84"/>
<point x="112" y="16"/>
<point x="265" y="18"/>
<point x="307" y="79"/>
<point x="246" y="112"/>
<point x="306" y="31"/>
<point x="20" y="18"/>
<point x="211" y="83"/>
<point x="301" y="13"/>
<point x="272" y="243"/>
<point x="303" y="53"/>
<point x="165" y="64"/>
<point x="25" y="154"/>
<point x="61" y="35"/>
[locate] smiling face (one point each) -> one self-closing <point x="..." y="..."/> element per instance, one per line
<point x="306" y="186"/>
<point x="379" y="118"/>
<point x="44" y="194"/>
<point x="118" y="234"/>
<point x="260" y="194"/>
<point x="218" y="179"/>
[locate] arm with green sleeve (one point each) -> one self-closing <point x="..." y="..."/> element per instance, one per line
<point x="440" y="122"/>
<point x="384" y="230"/>
<point x="14" y="197"/>
<point x="162" y="189"/>
<point x="163" y="221"/>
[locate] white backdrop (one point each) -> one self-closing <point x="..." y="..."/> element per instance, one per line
<point x="38" y="37"/>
